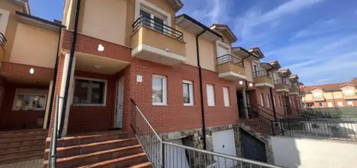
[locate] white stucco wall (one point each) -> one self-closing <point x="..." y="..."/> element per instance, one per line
<point x="313" y="153"/>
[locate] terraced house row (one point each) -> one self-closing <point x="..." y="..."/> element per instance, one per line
<point x="109" y="68"/>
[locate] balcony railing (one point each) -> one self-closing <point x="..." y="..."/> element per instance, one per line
<point x="3" y="40"/>
<point x="280" y="81"/>
<point x="259" y="74"/>
<point x="228" y="58"/>
<point x="166" y="154"/>
<point x="162" y="28"/>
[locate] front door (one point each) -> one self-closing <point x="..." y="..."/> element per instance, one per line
<point x="118" y="119"/>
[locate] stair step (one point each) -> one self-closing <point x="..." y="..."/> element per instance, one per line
<point x="142" y="165"/>
<point x="14" y="157"/>
<point x="122" y="162"/>
<point x="86" y="139"/>
<point x="93" y="147"/>
<point x="22" y="139"/>
<point x="5" y="146"/>
<point x="22" y="149"/>
<point x="95" y="157"/>
<point x="21" y="133"/>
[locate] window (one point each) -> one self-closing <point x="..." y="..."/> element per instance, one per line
<point x="340" y="104"/>
<point x="4" y="18"/>
<point x="268" y="100"/>
<point x="330" y="104"/>
<point x="30" y="99"/>
<point x="187" y="87"/>
<point x="210" y="95"/>
<point x="152" y="20"/>
<point x="350" y="103"/>
<point x="89" y="92"/>
<point x="226" y="97"/>
<point x="159" y="90"/>
<point x="261" y="100"/>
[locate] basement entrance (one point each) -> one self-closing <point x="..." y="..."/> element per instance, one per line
<point x="252" y="148"/>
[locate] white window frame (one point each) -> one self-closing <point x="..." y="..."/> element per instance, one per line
<point x="226" y="99"/>
<point x="350" y="103"/>
<point x="261" y="100"/>
<point x="190" y="90"/>
<point x="224" y="45"/>
<point x="340" y="104"/>
<point x="164" y="90"/>
<point x="4" y="19"/>
<point x="40" y="92"/>
<point x="92" y="79"/>
<point x="211" y="100"/>
<point x="152" y="9"/>
<point x="330" y="104"/>
<point x="268" y="100"/>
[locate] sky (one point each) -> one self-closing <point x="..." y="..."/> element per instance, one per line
<point x="316" y="39"/>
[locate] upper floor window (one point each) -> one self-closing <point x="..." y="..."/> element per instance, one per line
<point x="30" y="99"/>
<point x="226" y="96"/>
<point x="4" y="17"/>
<point x="154" y="21"/>
<point x="348" y="91"/>
<point x="187" y="87"/>
<point x="90" y="92"/>
<point x="210" y="95"/>
<point x="159" y="90"/>
<point x="317" y="94"/>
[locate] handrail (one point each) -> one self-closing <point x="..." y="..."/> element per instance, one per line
<point x="3" y="40"/>
<point x="263" y="112"/>
<point x="162" y="28"/>
<point x="221" y="155"/>
<point x="53" y="147"/>
<point x="228" y="58"/>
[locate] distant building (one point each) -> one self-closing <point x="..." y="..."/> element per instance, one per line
<point x="331" y="95"/>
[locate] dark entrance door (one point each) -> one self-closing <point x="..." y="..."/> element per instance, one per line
<point x="252" y="148"/>
<point x="240" y="104"/>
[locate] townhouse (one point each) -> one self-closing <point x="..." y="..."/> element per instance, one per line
<point x="332" y="95"/>
<point x="106" y="59"/>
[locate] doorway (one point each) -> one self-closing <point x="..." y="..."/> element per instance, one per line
<point x="252" y="148"/>
<point x="119" y="105"/>
<point x="240" y="103"/>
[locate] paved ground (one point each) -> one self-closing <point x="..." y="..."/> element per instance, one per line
<point x="34" y="163"/>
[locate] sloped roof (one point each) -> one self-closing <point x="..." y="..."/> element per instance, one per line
<point x="257" y="51"/>
<point x="176" y="4"/>
<point x="226" y="31"/>
<point x="275" y="64"/>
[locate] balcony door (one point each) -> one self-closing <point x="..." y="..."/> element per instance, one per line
<point x="154" y="21"/>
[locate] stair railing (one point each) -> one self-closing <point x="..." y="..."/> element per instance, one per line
<point x="53" y="144"/>
<point x="164" y="154"/>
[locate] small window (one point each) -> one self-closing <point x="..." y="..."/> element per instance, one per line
<point x="330" y="104"/>
<point x="159" y="90"/>
<point x="89" y="92"/>
<point x="30" y="99"/>
<point x="261" y="100"/>
<point x="226" y="97"/>
<point x="210" y="95"/>
<point x="187" y="87"/>
<point x="350" y="103"/>
<point x="340" y="104"/>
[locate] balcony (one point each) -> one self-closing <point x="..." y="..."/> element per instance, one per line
<point x="261" y="78"/>
<point x="281" y="85"/>
<point x="3" y="41"/>
<point x="157" y="42"/>
<point x="230" y="67"/>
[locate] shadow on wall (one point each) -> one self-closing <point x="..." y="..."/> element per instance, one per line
<point x="285" y="152"/>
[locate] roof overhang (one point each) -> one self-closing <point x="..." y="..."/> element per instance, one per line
<point x="275" y="64"/>
<point x="195" y="27"/>
<point x="176" y="4"/>
<point x="284" y="72"/>
<point x="266" y="66"/>
<point x="33" y="20"/>
<point x="257" y="51"/>
<point x="24" y="4"/>
<point x="225" y="31"/>
<point x="240" y="51"/>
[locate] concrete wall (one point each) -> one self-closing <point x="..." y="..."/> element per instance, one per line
<point x="317" y="153"/>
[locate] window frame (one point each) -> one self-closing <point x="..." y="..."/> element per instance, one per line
<point x="4" y="19"/>
<point x="190" y="94"/>
<point x="226" y="102"/>
<point x="91" y="79"/>
<point x="164" y="90"/>
<point x="261" y="97"/>
<point x="208" y="96"/>
<point x="29" y="91"/>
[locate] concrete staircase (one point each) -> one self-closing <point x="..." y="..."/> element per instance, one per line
<point x="21" y="145"/>
<point x="258" y="126"/>
<point x="102" y="149"/>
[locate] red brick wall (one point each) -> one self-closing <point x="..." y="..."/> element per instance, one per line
<point x="18" y="119"/>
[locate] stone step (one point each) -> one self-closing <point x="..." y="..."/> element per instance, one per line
<point x="22" y="149"/>
<point x="15" y="157"/>
<point x="35" y="142"/>
<point x="93" y="147"/>
<point x="142" y="165"/>
<point x="92" y="158"/>
<point x="122" y="162"/>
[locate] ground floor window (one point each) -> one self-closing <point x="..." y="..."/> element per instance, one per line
<point x="340" y="104"/>
<point x="187" y="87"/>
<point x="159" y="90"/>
<point x="30" y="99"/>
<point x="89" y="92"/>
<point x="350" y="103"/>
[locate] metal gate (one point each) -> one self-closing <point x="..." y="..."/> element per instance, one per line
<point x="252" y="148"/>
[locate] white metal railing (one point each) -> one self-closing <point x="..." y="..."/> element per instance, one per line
<point x="163" y="154"/>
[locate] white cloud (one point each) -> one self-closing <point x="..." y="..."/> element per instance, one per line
<point x="317" y="28"/>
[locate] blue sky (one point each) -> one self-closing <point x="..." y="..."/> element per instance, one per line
<point x="317" y="39"/>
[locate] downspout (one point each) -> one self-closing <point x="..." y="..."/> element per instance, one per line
<point x="70" y="64"/>
<point x="55" y="70"/>
<point x="201" y="89"/>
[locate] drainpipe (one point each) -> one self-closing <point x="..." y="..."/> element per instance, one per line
<point x="245" y="101"/>
<point x="272" y="99"/>
<point x="201" y="89"/>
<point x="70" y="65"/>
<point x="55" y="70"/>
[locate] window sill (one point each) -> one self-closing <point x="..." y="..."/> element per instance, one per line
<point x="89" y="105"/>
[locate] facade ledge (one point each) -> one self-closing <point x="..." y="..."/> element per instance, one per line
<point x="142" y="51"/>
<point x="231" y="74"/>
<point x="282" y="90"/>
<point x="264" y="85"/>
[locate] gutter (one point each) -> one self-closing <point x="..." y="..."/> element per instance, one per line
<point x="201" y="89"/>
<point x="272" y="98"/>
<point x="73" y="48"/>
